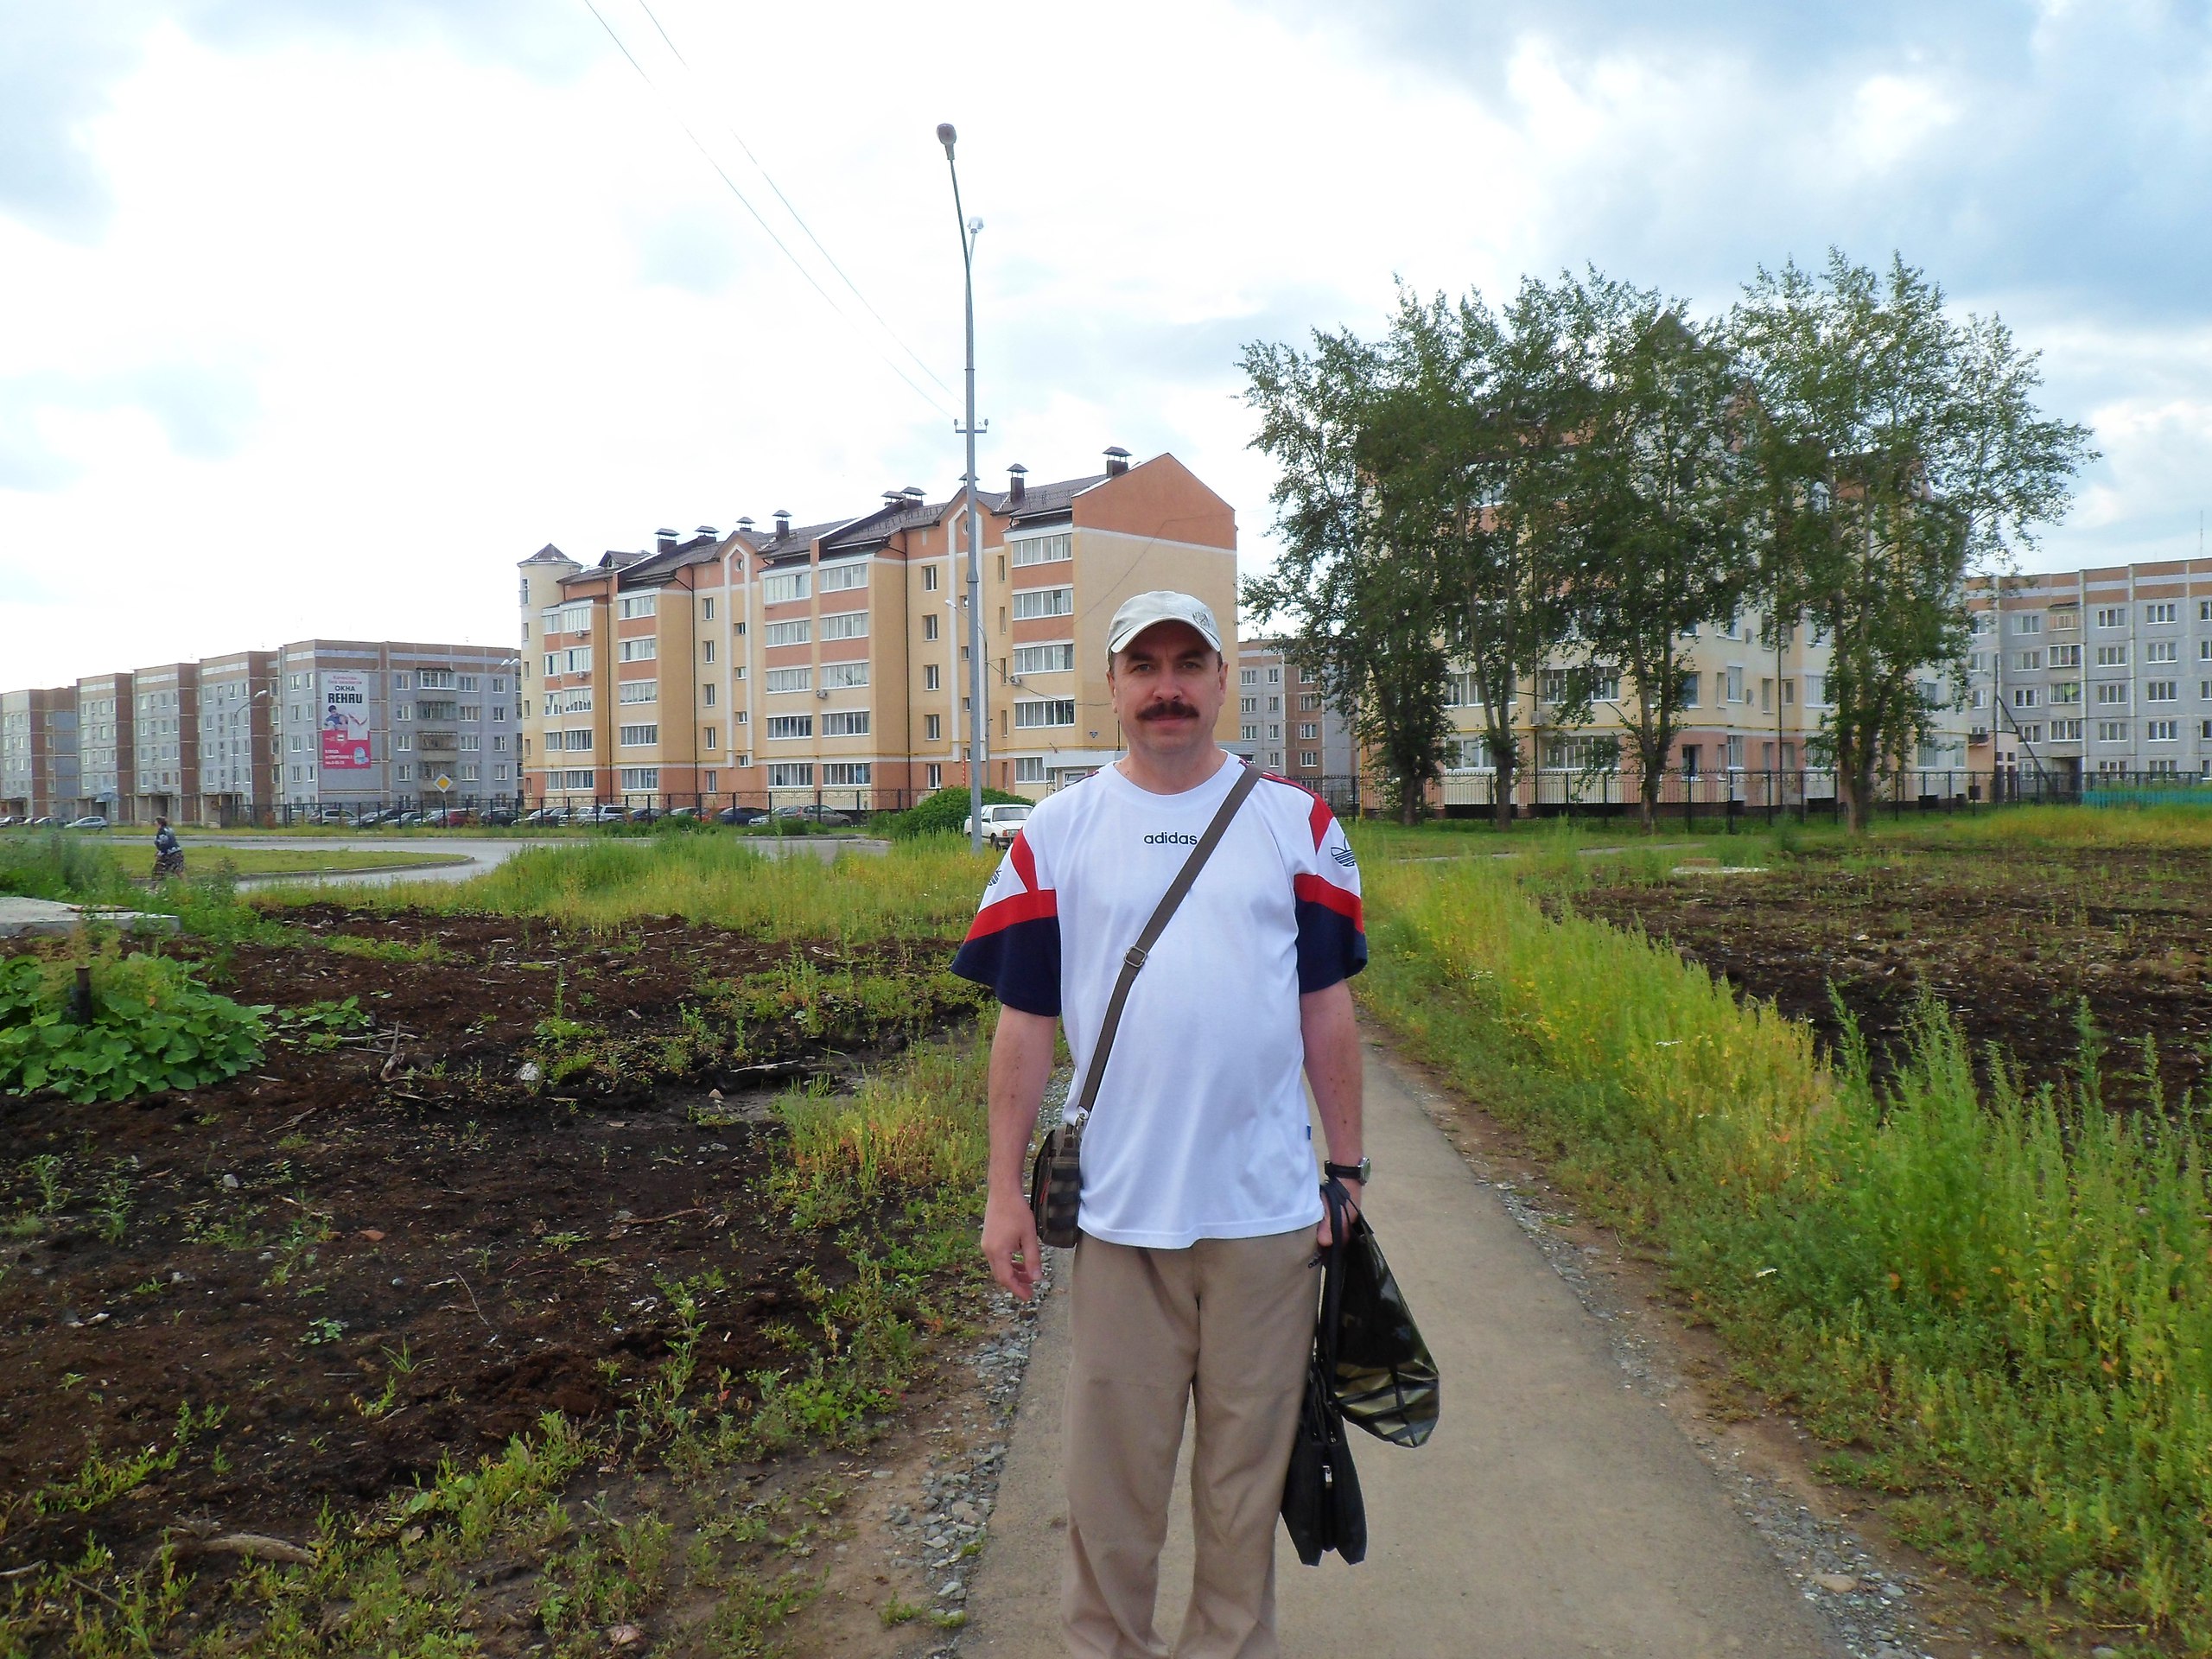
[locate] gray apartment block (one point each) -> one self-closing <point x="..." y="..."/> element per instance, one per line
<point x="236" y="719"/>
<point x="2095" y="672"/>
<point x="165" y="740"/>
<point x="1283" y="721"/>
<point x="367" y="722"/>
<point x="107" y="748"/>
<point x="38" y="752"/>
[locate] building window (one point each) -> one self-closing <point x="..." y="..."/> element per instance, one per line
<point x="2161" y="731"/>
<point x="848" y="772"/>
<point x="929" y="625"/>
<point x="638" y="778"/>
<point x="781" y="590"/>
<point x="790" y="774"/>
<point x="470" y="771"/>
<point x="633" y="605"/>
<point x="2112" y="731"/>
<point x="933" y="728"/>
<point x="1308" y="730"/>
<point x="843" y="676"/>
<point x="1030" y="602"/>
<point x="2113" y="693"/>
<point x="1044" y="659"/>
<point x="789" y="726"/>
<point x="2028" y="622"/>
<point x="840" y="578"/>
<point x="2026" y="697"/>
<point x="2162" y="650"/>
<point x="929" y="578"/>
<point x="1030" y="712"/>
<point x="2065" y="655"/>
<point x="499" y="774"/>
<point x="2164" y="610"/>
<point x="2161" y="691"/>
<point x="792" y="633"/>
<point x="709" y="738"/>
<point x="2112" y="616"/>
<point x="1309" y="759"/>
<point x="707" y="608"/>
<point x="1029" y="769"/>
<point x="634" y="737"/>
<point x="2111" y="656"/>
<point x="845" y="722"/>
<point x="744" y="761"/>
<point x="1043" y="549"/>
<point x="639" y="691"/>
<point x="845" y="625"/>
<point x="790" y="679"/>
<point x="471" y="743"/>
<point x="707" y="695"/>
<point x="2027" y="662"/>
<point x="936" y="775"/>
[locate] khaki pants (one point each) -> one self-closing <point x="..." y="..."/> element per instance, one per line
<point x="1230" y="1322"/>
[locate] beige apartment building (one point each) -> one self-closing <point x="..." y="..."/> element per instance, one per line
<point x="829" y="661"/>
<point x="1753" y="707"/>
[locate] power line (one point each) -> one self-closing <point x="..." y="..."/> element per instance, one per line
<point x="791" y="207"/>
<point x="767" y="230"/>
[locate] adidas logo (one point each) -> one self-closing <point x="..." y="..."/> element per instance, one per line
<point x="1170" y="838"/>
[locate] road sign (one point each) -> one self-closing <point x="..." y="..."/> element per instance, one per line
<point x="444" y="783"/>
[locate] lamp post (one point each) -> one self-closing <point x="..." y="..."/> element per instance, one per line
<point x="978" y="745"/>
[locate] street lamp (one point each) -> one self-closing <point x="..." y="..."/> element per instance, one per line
<point x="978" y="747"/>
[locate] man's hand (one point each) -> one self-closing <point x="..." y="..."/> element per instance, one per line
<point x="1321" y="1234"/>
<point x="1010" y="1244"/>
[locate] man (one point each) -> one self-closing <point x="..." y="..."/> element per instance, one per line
<point x="1194" y="1281"/>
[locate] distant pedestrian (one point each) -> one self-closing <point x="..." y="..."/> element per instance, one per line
<point x="168" y="851"/>
<point x="1194" y="1276"/>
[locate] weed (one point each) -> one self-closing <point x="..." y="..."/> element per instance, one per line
<point x="154" y="1027"/>
<point x="356" y="944"/>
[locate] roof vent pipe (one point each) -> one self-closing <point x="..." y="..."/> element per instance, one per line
<point x="664" y="539"/>
<point x="1117" y="461"/>
<point x="783" y="522"/>
<point x="1017" y="485"/>
<point x="745" y="524"/>
<point x="912" y="493"/>
<point x="708" y="531"/>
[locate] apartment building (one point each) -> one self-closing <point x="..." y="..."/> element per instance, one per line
<point x="38" y="752"/>
<point x="362" y="722"/>
<point x="829" y="660"/>
<point x="165" y="742"/>
<point x="2083" y="673"/>
<point x="1754" y="703"/>
<point x="1283" y="721"/>
<point x="235" y="734"/>
<point x="107" y="748"/>
<point x="322" y="722"/>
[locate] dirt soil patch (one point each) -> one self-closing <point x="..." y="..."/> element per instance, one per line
<point x="2012" y="942"/>
<point x="398" y="1243"/>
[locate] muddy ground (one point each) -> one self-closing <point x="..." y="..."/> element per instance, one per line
<point x="2011" y="942"/>
<point x="400" y="1240"/>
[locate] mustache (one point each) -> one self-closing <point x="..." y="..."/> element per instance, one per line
<point x="1174" y="708"/>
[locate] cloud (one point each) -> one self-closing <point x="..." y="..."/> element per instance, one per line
<point x="63" y="60"/>
<point x="690" y="252"/>
<point x="204" y="412"/>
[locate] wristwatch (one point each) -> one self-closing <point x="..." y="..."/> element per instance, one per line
<point x="1363" y="1172"/>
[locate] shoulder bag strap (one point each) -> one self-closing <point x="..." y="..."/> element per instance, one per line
<point x="1153" y="929"/>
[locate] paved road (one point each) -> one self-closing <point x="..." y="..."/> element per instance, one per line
<point x="481" y="853"/>
<point x="1556" y="1511"/>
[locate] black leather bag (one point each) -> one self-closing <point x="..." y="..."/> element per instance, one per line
<point x="1384" y="1379"/>
<point x="1321" y="1506"/>
<point x="1056" y="1174"/>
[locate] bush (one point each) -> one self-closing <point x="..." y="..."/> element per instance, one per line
<point x="944" y="813"/>
<point x="153" y="1027"/>
<point x="73" y="869"/>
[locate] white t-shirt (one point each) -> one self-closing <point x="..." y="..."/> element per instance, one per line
<point x="1199" y="1129"/>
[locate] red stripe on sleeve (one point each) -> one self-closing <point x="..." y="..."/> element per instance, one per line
<point x="1318" y="890"/>
<point x="1023" y="908"/>
<point x="1025" y="860"/>
<point x="1319" y="821"/>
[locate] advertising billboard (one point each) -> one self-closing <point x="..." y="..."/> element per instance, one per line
<point x="345" y="721"/>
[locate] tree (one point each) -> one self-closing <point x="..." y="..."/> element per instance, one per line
<point x="1654" y="488"/>
<point x="1367" y="623"/>
<point x="1893" y="447"/>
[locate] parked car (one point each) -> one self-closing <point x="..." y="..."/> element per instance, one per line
<point x="546" y="816"/>
<point x="332" y="815"/>
<point x="813" y="814"/>
<point x="49" y="821"/>
<point x="498" y="816"/>
<point x="683" y="814"/>
<point x="605" y="814"/>
<point x="380" y="820"/>
<point x="9" y="821"/>
<point x="90" y="821"/>
<point x="1000" y="822"/>
<point x="740" y="816"/>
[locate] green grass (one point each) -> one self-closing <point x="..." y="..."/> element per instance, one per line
<point x="1996" y="1308"/>
<point x="922" y="889"/>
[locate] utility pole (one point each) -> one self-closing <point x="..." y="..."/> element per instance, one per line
<point x="978" y="743"/>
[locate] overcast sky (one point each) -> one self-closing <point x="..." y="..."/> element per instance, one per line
<point x="316" y="315"/>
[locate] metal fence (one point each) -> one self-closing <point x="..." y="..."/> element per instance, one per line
<point x="558" y="807"/>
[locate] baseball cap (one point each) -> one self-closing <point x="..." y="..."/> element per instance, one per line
<point x="1141" y="611"/>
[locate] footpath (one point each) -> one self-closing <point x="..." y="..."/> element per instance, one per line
<point x="1556" y="1512"/>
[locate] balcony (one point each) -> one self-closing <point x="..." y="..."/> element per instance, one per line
<point x="437" y="744"/>
<point x="440" y="710"/>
